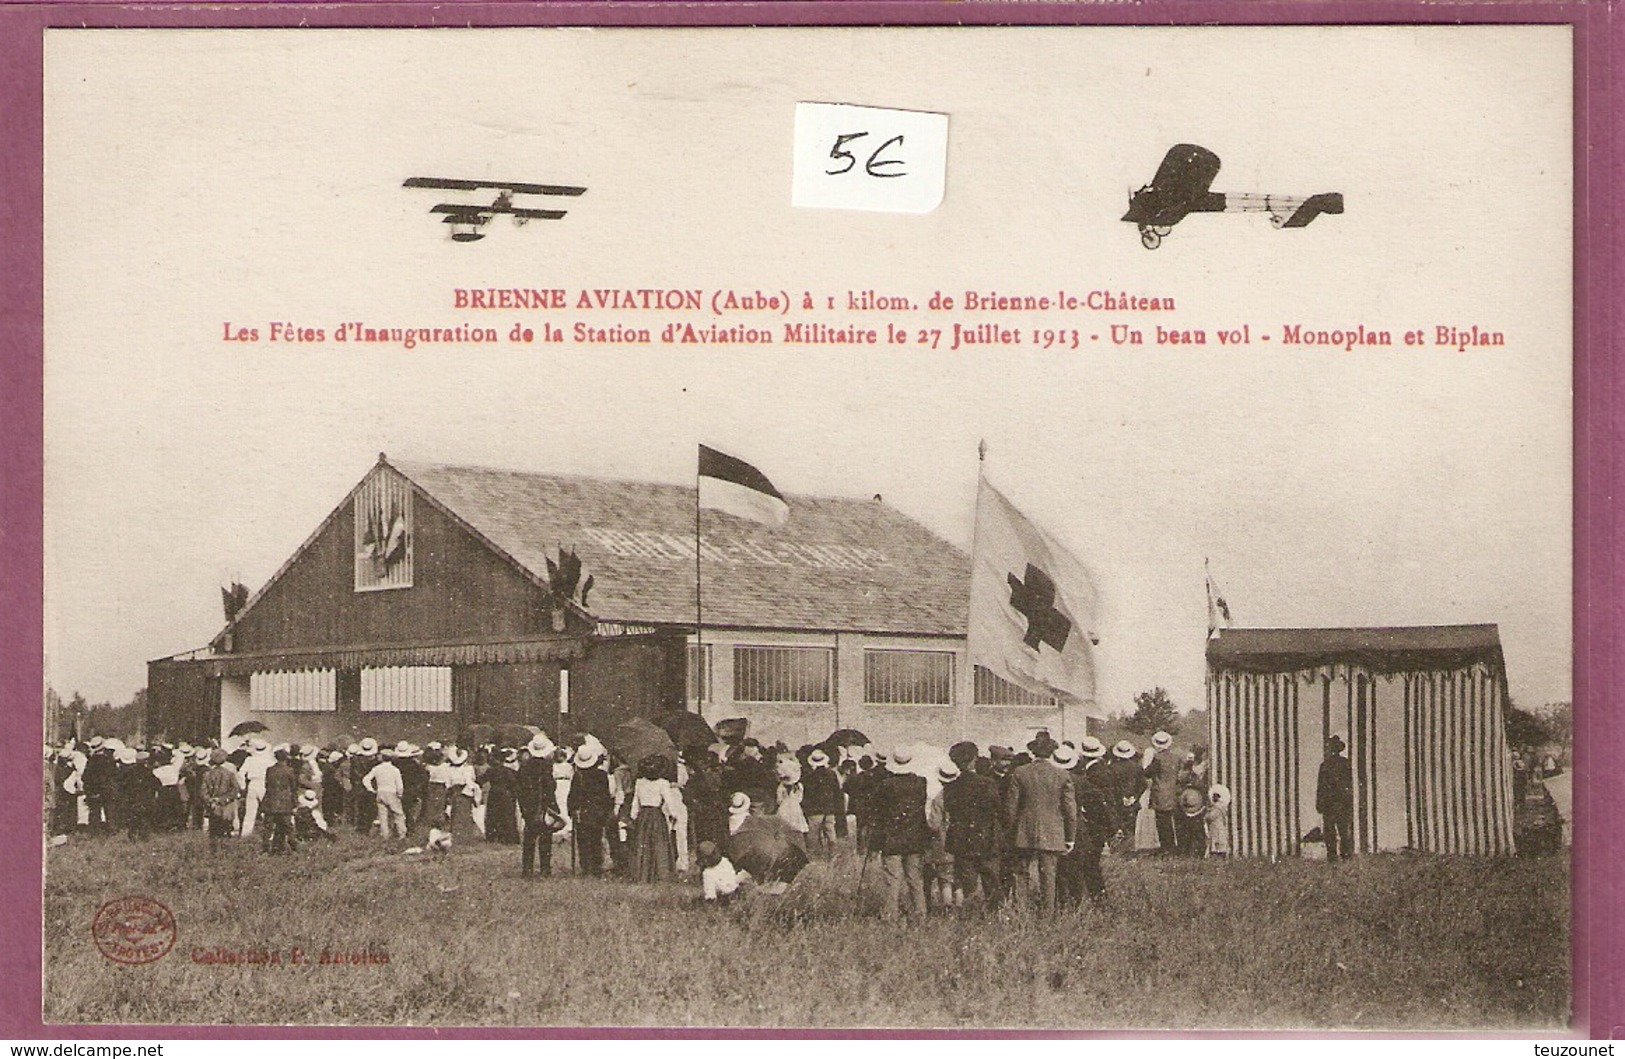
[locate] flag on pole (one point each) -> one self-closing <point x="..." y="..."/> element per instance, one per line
<point x="1034" y="607"/>
<point x="732" y="485"/>
<point x="1218" y="611"/>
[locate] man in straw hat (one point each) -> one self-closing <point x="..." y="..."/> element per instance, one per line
<point x="900" y="835"/>
<point x="1042" y="807"/>
<point x="822" y="802"/>
<point x="383" y="783"/>
<point x="364" y="806"/>
<point x="1124" y="782"/>
<point x="538" y="795"/>
<point x="1161" y="770"/>
<point x="592" y="807"/>
<point x="253" y="770"/>
<point x="1080" y="873"/>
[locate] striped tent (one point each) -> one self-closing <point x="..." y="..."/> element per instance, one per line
<point x="1421" y="710"/>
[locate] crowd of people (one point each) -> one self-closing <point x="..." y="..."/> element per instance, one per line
<point x="974" y="826"/>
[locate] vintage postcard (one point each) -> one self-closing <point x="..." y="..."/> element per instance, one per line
<point x="833" y="527"/>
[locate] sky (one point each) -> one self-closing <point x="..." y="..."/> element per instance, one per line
<point x="258" y="179"/>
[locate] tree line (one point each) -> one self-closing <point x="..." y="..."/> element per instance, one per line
<point x="76" y="717"/>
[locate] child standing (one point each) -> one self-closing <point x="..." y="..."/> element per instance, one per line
<point x="1218" y="820"/>
<point x="1146" y="839"/>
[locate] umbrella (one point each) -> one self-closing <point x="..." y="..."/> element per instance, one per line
<point x="733" y="730"/>
<point x="478" y="734"/>
<point x="686" y="729"/>
<point x="247" y="728"/>
<point x="764" y="847"/>
<point x="514" y="734"/>
<point x="637" y="739"/>
<point x="846" y="737"/>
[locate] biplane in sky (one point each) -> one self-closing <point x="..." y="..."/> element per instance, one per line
<point x="468" y="219"/>
<point x="1183" y="185"/>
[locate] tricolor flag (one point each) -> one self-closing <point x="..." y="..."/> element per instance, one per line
<point x="1034" y="607"/>
<point x="732" y="485"/>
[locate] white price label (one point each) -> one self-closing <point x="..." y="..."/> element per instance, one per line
<point x="869" y="158"/>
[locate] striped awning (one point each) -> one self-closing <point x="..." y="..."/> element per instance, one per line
<point x="552" y="649"/>
<point x="1383" y="650"/>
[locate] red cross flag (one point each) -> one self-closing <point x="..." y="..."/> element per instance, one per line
<point x="1034" y="607"/>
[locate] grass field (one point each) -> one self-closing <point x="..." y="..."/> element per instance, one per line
<point x="1383" y="942"/>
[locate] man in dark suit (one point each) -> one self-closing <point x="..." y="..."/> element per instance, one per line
<point x="276" y="808"/>
<point x="1334" y="801"/>
<point x="592" y="808"/>
<point x="900" y="835"/>
<point x="1042" y="809"/>
<point x="1080" y="872"/>
<point x="538" y="796"/>
<point x="974" y="809"/>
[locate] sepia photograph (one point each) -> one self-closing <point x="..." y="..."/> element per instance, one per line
<point x="872" y="528"/>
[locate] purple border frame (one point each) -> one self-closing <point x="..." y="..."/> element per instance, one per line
<point x="1599" y="425"/>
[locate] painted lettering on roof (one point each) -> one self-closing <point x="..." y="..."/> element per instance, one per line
<point x="649" y="544"/>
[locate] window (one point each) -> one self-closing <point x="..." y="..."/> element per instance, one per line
<point x="920" y="678"/>
<point x="994" y="690"/>
<point x="305" y="691"/>
<point x="406" y="689"/>
<point x="383" y="533"/>
<point x="782" y="674"/>
<point x="699" y="672"/>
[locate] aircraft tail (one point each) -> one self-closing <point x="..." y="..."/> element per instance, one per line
<point x="1314" y="206"/>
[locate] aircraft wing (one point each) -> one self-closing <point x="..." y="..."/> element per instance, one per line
<point x="444" y="184"/>
<point x="544" y="215"/>
<point x="460" y="211"/>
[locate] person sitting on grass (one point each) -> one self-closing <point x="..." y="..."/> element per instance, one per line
<point x="719" y="880"/>
<point x="308" y="822"/>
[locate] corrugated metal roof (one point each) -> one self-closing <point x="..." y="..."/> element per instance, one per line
<point x="1383" y="647"/>
<point x="839" y="564"/>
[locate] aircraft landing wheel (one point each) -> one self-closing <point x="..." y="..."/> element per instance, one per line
<point x="1150" y="238"/>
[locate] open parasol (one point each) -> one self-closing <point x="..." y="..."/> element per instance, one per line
<point x="733" y="729"/>
<point x="247" y="728"/>
<point x="638" y="738"/>
<point x="846" y="737"/>
<point x="764" y="847"/>
<point x="514" y="734"/>
<point x="687" y="730"/>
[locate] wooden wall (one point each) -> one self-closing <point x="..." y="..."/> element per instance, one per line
<point x="461" y="591"/>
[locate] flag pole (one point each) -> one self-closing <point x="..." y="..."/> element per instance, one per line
<point x="970" y="660"/>
<point x="699" y="613"/>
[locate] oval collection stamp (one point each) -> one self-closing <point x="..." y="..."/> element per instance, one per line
<point x="133" y="930"/>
